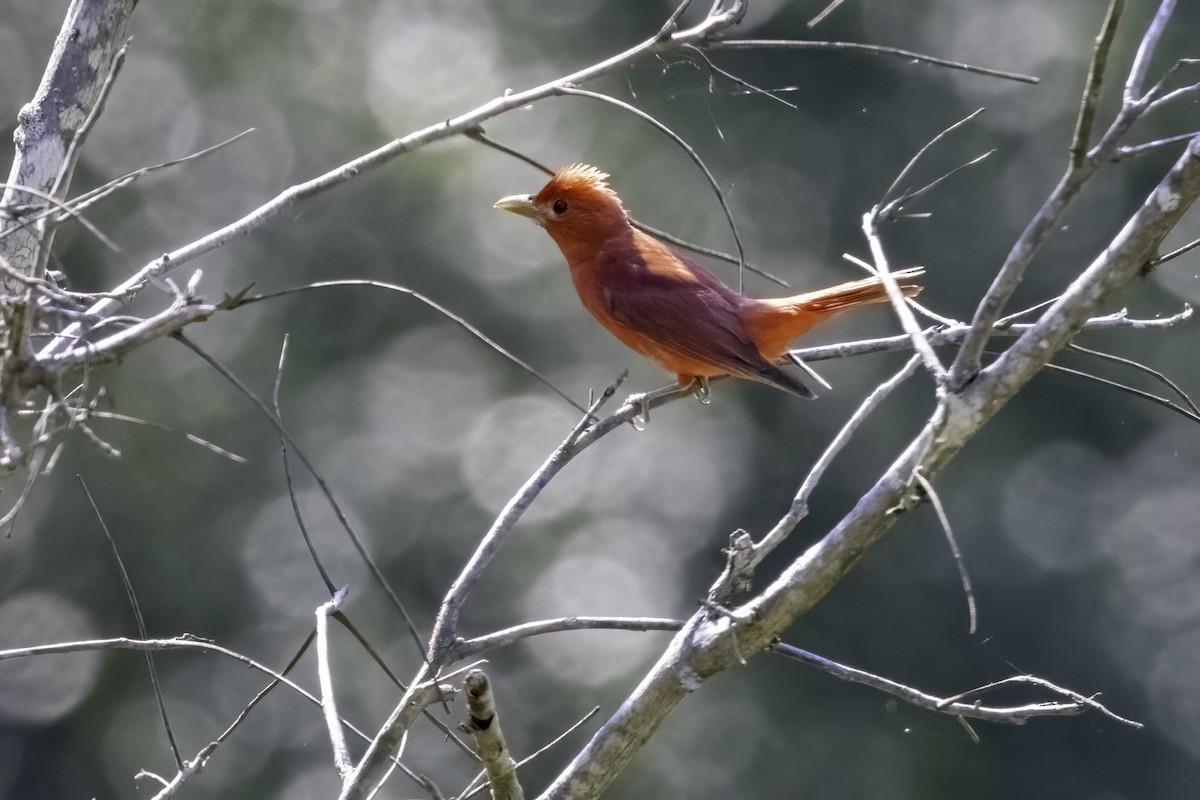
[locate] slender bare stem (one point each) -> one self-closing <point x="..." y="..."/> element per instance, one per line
<point x="1014" y="715"/>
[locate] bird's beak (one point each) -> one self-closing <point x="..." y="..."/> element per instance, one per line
<point x="522" y="204"/>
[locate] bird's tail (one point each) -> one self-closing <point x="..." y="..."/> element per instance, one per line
<point x="774" y="324"/>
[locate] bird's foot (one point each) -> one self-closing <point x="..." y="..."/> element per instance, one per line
<point x="642" y="401"/>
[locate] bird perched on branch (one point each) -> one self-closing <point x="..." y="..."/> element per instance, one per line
<point x="666" y="306"/>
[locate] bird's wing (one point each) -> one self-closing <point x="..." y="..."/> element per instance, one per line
<point x="684" y="310"/>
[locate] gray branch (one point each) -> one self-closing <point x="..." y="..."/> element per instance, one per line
<point x="711" y="643"/>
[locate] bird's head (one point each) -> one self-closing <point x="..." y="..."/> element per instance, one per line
<point x="575" y="206"/>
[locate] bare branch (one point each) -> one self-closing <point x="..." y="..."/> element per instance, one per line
<point x="912" y="162"/>
<point x="706" y="644"/>
<point x="908" y="55"/>
<point x="455" y="126"/>
<point x="1042" y="682"/>
<point x="1128" y="362"/>
<point x="1192" y="245"/>
<point x="436" y="306"/>
<point x="334" y="505"/>
<point x="967" y="363"/>
<point x="1145" y="52"/>
<point x="738" y="570"/>
<point x="442" y="645"/>
<point x="482" y="138"/>
<point x="1153" y="398"/>
<point x="184" y="311"/>
<point x="185" y="642"/>
<point x="825" y="12"/>
<point x="141" y="624"/>
<point x="1013" y="715"/>
<point x="466" y="648"/>
<point x="71" y="85"/>
<point x="1132" y="151"/>
<point x="1095" y="81"/>
<point x="191" y="437"/>
<point x="377" y="763"/>
<point x="484" y="724"/>
<point x="870" y="226"/>
<point x="944" y="518"/>
<point x="333" y="725"/>
<point x="692" y="154"/>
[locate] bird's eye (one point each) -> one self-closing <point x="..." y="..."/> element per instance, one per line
<point x="560" y="206"/>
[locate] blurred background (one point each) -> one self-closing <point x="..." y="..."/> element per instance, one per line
<point x="1076" y="508"/>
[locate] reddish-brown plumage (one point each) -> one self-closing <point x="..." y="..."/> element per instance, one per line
<point x="666" y="306"/>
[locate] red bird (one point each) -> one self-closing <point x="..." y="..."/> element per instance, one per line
<point x="666" y="306"/>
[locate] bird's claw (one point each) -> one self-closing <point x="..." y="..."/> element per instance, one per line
<point x="641" y="419"/>
<point x="641" y="401"/>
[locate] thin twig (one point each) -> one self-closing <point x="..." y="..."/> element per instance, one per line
<point x="445" y="633"/>
<point x="484" y="139"/>
<point x="287" y="476"/>
<point x="1129" y="362"/>
<point x="1034" y="680"/>
<point x="1015" y="715"/>
<point x="198" y="763"/>
<point x="466" y="648"/>
<point x="799" y="506"/>
<point x="455" y="126"/>
<point x="379" y="761"/>
<point x="959" y="563"/>
<point x="1145" y="52"/>
<point x="1176" y="253"/>
<point x="53" y="205"/>
<point x="692" y="154"/>
<point x="141" y="624"/>
<point x="1158" y="96"/>
<point x="1095" y="81"/>
<point x="739" y="569"/>
<point x="342" y="519"/>
<point x="191" y="437"/>
<point x="907" y="321"/>
<point x="891" y="209"/>
<point x="738" y="81"/>
<point x="1175" y="94"/>
<point x="333" y="725"/>
<point x="825" y="12"/>
<point x="1132" y="151"/>
<point x="436" y="306"/>
<point x="908" y="55"/>
<point x="1153" y="398"/>
<point x="912" y="162"/>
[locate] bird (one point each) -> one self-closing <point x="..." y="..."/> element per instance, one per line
<point x="664" y="305"/>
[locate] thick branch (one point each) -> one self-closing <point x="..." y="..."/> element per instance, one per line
<point x="462" y="124"/>
<point x="484" y="724"/>
<point x="1079" y="170"/>
<point x="710" y="644"/>
<point x="91" y="35"/>
<point x="372" y="770"/>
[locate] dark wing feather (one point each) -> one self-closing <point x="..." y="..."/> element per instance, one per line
<point x="686" y="310"/>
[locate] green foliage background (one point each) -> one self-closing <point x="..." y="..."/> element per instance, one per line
<point x="1075" y="509"/>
